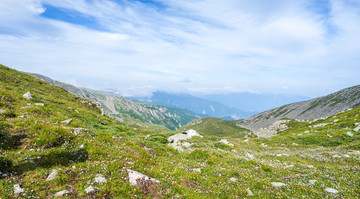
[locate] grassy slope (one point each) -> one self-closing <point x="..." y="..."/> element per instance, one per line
<point x="34" y="128"/>
<point x="216" y="127"/>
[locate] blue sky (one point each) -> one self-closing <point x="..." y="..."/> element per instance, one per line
<point x="304" y="47"/>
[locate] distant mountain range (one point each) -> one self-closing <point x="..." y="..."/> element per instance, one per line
<point x="202" y="107"/>
<point x="254" y="102"/>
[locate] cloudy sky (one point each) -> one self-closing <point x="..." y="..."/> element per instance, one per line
<point x="303" y="47"/>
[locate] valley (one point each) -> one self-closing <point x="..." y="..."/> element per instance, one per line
<point x="54" y="143"/>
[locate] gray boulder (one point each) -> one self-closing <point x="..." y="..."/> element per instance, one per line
<point x="66" y="122"/>
<point x="18" y="189"/>
<point x="176" y="140"/>
<point x="134" y="176"/>
<point x="27" y="95"/>
<point x="52" y="175"/>
<point x="61" y="193"/>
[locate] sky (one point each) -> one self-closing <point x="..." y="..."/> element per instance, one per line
<point x="134" y="47"/>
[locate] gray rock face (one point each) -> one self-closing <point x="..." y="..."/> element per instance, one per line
<point x="27" y="95"/>
<point x="66" y="122"/>
<point x="52" y="175"/>
<point x="61" y="193"/>
<point x="321" y="107"/>
<point x="175" y="140"/>
<point x="134" y="176"/>
<point x="18" y="189"/>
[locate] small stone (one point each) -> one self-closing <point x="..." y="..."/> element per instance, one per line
<point x="100" y="179"/>
<point x="224" y="141"/>
<point x="61" y="193"/>
<point x="2" y="111"/>
<point x="39" y="104"/>
<point x="357" y="129"/>
<point x="312" y="182"/>
<point x="196" y="170"/>
<point x="66" y="122"/>
<point x="90" y="189"/>
<point x="349" y="134"/>
<point x="134" y="176"/>
<point x="346" y="156"/>
<point x="249" y="192"/>
<point x="27" y="95"/>
<point x="278" y="184"/>
<point x="18" y="189"/>
<point x="354" y="153"/>
<point x="331" y="190"/>
<point x="295" y="144"/>
<point x="52" y="175"/>
<point x="251" y="157"/>
<point x="232" y="179"/>
<point x="81" y="146"/>
<point x="336" y="156"/>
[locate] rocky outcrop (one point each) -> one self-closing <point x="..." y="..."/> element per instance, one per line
<point x="27" y="95"/>
<point x="175" y="141"/>
<point x="135" y="176"/>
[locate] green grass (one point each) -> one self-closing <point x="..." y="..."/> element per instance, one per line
<point x="33" y="142"/>
<point x="216" y="127"/>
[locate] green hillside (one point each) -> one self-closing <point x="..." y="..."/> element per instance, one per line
<point x="34" y="141"/>
<point x="216" y="127"/>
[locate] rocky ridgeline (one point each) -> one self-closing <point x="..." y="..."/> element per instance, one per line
<point x="321" y="107"/>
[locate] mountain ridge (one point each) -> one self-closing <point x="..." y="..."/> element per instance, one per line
<point x="125" y="109"/>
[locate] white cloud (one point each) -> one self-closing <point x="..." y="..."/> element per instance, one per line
<point x="232" y="45"/>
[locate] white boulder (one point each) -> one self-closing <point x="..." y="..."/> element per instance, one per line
<point x="27" y="95"/>
<point x="134" y="176"/>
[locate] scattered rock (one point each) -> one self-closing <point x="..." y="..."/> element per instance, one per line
<point x="232" y="179"/>
<point x="357" y="129"/>
<point x="39" y="104"/>
<point x="349" y="134"/>
<point x="76" y="131"/>
<point x="273" y="129"/>
<point x="61" y="193"/>
<point x="100" y="179"/>
<point x="226" y="142"/>
<point x="331" y="190"/>
<point x="295" y="144"/>
<point x="310" y="166"/>
<point x="18" y="189"/>
<point x="312" y="182"/>
<point x="278" y="184"/>
<point x="249" y="192"/>
<point x="81" y="146"/>
<point x="90" y="189"/>
<point x="346" y="156"/>
<point x="330" y="136"/>
<point x="251" y="157"/>
<point x="354" y="153"/>
<point x="196" y="170"/>
<point x="175" y="140"/>
<point x="321" y="125"/>
<point x="52" y="175"/>
<point x="27" y="95"/>
<point x="66" y="122"/>
<point x="336" y="156"/>
<point x="2" y="111"/>
<point x="134" y="176"/>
